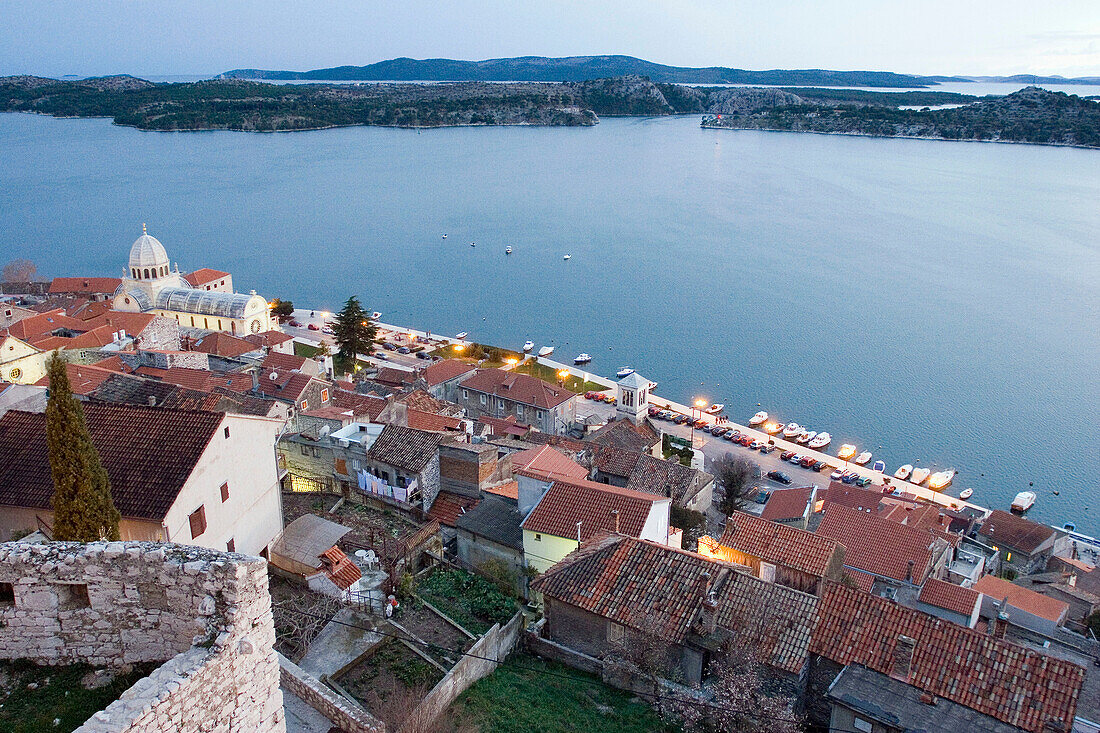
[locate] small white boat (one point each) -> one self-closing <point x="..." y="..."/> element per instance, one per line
<point x="624" y="372"/>
<point x="758" y="419"/>
<point x="920" y="475"/>
<point x="904" y="472"/>
<point x="375" y="316"/>
<point x="566" y="257"/>
<point x="582" y="359"/>
<point x="847" y="450"/>
<point x="1023" y="501"/>
<point x="473" y="244"/>
<point x="527" y="346"/>
<point x="715" y="408"/>
<point x="793" y="430"/>
<point x="806" y="437"/>
<point x="444" y="236"/>
<point x="940" y="480"/>
<point x="773" y="428"/>
<point x="879" y="466"/>
<point x="822" y="440"/>
<point x="546" y="351"/>
<point x="966" y="494"/>
<point x="863" y="458"/>
<point x="508" y="250"/>
<point x="461" y="335"/>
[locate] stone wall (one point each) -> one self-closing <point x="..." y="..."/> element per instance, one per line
<point x="350" y="717"/>
<point x="480" y="660"/>
<point x="112" y="603"/>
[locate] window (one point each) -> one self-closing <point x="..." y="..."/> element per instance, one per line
<point x="519" y="410"/>
<point x="225" y="492"/>
<point x="198" y="522"/>
<point x="862" y="725"/>
<point x="355" y="463"/>
<point x="324" y="396"/>
<point x="1008" y="557"/>
<point x="304" y="449"/>
<point x="614" y="632"/>
<point x="767" y="572"/>
<point x="226" y="431"/>
<point x="538" y="538"/>
<point x="305" y="405"/>
<point x="230" y="546"/>
<point x="483" y="400"/>
<point x="72" y="595"/>
<point x="465" y="394"/>
<point x="7" y="594"/>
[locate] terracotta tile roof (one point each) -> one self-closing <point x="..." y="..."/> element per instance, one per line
<point x="132" y="323"/>
<point x="544" y="461"/>
<point x="779" y="544"/>
<point x="952" y="597"/>
<point x="864" y="581"/>
<point x="283" y="385"/>
<point x="787" y="504"/>
<point x="420" y="399"/>
<point x="625" y="434"/>
<point x="1005" y="528"/>
<point x="89" y="309"/>
<point x="667" y="478"/>
<point x="569" y="501"/>
<point x="508" y="489"/>
<point x="360" y="404"/>
<point x="852" y="496"/>
<point x="268" y="338"/>
<point x="421" y="420"/>
<point x="1034" y="603"/>
<point x="148" y="453"/>
<point x="340" y="568"/>
<point x="203" y="276"/>
<point x="92" y="339"/>
<point x="521" y="388"/>
<point x="444" y="371"/>
<point x="878" y="546"/>
<point x="561" y="442"/>
<point x="222" y="344"/>
<point x="83" y="378"/>
<point x="448" y="507"/>
<point x="405" y="448"/>
<point x="505" y="426"/>
<point x="1008" y="682"/>
<point x="198" y="379"/>
<point x="283" y="362"/>
<point x="131" y="390"/>
<point x="615" y="461"/>
<point x="85" y="285"/>
<point x="391" y="377"/>
<point x="659" y="589"/>
<point x="45" y="323"/>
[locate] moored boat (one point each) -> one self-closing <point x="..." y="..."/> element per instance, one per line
<point x="582" y="359"/>
<point x="966" y="494"/>
<point x="806" y="437"/>
<point x="624" y="372"/>
<point x="508" y="250"/>
<point x="792" y="431"/>
<point x="527" y="346"/>
<point x="461" y="336"/>
<point x="919" y="475"/>
<point x="773" y="428"/>
<point x="821" y="441"/>
<point x="863" y="458"/>
<point x="940" y="480"/>
<point x="1023" y="501"/>
<point x="546" y="351"/>
<point x="715" y="409"/>
<point x="879" y="466"/>
<point x="566" y="257"/>
<point x="904" y="472"/>
<point x="758" y="419"/>
<point x="847" y="450"/>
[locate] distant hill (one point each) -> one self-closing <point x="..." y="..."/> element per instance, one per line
<point x="581" y="68"/>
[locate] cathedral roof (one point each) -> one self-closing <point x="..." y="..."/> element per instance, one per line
<point x="204" y="302"/>
<point x="147" y="251"/>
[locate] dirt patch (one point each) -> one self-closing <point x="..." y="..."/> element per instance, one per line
<point x="391" y="682"/>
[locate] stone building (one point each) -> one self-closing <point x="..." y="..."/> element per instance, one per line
<point x="205" y="615"/>
<point x="1023" y="545"/>
<point x="501" y="394"/>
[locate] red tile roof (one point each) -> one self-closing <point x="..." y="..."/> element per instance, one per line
<point x="505" y="427"/>
<point x="421" y="420"/>
<point x="1024" y="599"/>
<point x="285" y="362"/>
<point x="444" y="371"/>
<point x="877" y="545"/>
<point x="132" y="323"/>
<point x="222" y="344"/>
<point x="199" y="379"/>
<point x="508" y="489"/>
<point x="567" y="502"/>
<point x="391" y="377"/>
<point x="45" y="323"/>
<point x="851" y="496"/>
<point x="627" y="435"/>
<point x="941" y="594"/>
<point x="269" y="338"/>
<point x="360" y="404"/>
<point x="148" y="452"/>
<point x="448" y="507"/>
<point x="544" y="462"/>
<point x="787" y="504"/>
<point x="1005" y="528"/>
<point x="780" y="544"/>
<point x="85" y="285"/>
<point x="521" y="388"/>
<point x="340" y="568"/>
<point x="1008" y="682"/>
<point x="283" y="385"/>
<point x="82" y="377"/>
<point x="203" y="276"/>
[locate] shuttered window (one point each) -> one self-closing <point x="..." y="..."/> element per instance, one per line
<point x="225" y="492"/>
<point x="198" y="522"/>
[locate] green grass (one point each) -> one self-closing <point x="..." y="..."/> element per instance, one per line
<point x="59" y="695"/>
<point x="305" y="350"/>
<point x="545" y="373"/>
<point x="521" y="697"/>
<point x="474" y="602"/>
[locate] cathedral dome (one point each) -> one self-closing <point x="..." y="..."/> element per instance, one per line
<point x="148" y="259"/>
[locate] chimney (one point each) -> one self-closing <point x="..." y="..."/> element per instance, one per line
<point x="152" y="400"/>
<point x="256" y="379"/>
<point x="909" y="573"/>
<point x="615" y="514"/>
<point x="707" y="622"/>
<point x="903" y="657"/>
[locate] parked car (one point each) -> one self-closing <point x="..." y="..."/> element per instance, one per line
<point x="766" y="449"/>
<point x="590" y="395"/>
<point x="745" y="440"/>
<point x="807" y="461"/>
<point x="732" y="435"/>
<point x="795" y="458"/>
<point x="680" y="419"/>
<point x="849" y="478"/>
<point x="652" y="410"/>
<point x="786" y="455"/>
<point x="404" y="350"/>
<point x="762" y="495"/>
<point x="820" y="466"/>
<point x="779" y="476"/>
<point x="864" y="481"/>
<point x="294" y="323"/>
<point x="313" y="327"/>
<point x="837" y="474"/>
<point x="422" y="355"/>
<point x="755" y="445"/>
<point x="700" y="424"/>
<point x="389" y="347"/>
<point x="328" y="330"/>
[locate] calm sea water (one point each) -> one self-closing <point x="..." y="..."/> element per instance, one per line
<point x="936" y="303"/>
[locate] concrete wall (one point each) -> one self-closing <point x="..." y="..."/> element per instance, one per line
<point x="480" y="660"/>
<point x="347" y="715"/>
<point x="477" y="552"/>
<point x="207" y="613"/>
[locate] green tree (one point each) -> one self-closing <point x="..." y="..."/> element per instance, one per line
<point x="282" y="309"/>
<point x="82" y="504"/>
<point x="734" y="477"/>
<point x="353" y="329"/>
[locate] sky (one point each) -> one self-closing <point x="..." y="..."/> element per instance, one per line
<point x="201" y="37"/>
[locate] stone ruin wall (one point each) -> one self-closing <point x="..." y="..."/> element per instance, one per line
<point x="205" y="614"/>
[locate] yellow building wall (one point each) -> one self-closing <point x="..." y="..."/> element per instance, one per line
<point x="21" y="363"/>
<point x="235" y="326"/>
<point x="545" y="552"/>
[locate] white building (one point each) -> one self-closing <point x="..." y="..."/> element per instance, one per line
<point x="150" y="285"/>
<point x="185" y="476"/>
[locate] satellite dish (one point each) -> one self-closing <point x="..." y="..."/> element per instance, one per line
<point x="323" y="431"/>
<point x="273" y="376"/>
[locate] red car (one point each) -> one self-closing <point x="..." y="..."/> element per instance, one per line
<point x="808" y="461"/>
<point x="590" y="395"/>
<point x="653" y="411"/>
<point x="313" y="327"/>
<point x="745" y="440"/>
<point x="700" y="424"/>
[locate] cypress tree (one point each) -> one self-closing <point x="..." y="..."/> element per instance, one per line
<point x="82" y="505"/>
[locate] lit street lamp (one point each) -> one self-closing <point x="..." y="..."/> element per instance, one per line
<point x="698" y="404"/>
<point x="562" y="376"/>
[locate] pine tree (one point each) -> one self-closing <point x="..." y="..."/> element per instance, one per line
<point x="82" y="505"/>
<point x="353" y="329"/>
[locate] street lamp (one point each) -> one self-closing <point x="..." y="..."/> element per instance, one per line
<point x="562" y="376"/>
<point x="459" y="347"/>
<point x="698" y="404"/>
